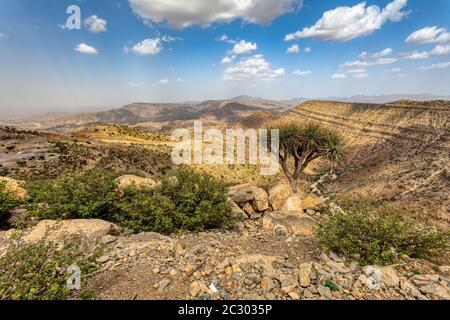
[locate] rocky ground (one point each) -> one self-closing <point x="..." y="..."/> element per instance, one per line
<point x="248" y="262"/>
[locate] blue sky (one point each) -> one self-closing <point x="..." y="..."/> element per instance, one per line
<point x="170" y="50"/>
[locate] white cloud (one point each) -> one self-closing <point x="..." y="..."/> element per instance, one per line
<point x="368" y="63"/>
<point x="243" y="47"/>
<point x="356" y="71"/>
<point x="225" y="38"/>
<point x="437" y="66"/>
<point x="180" y="80"/>
<point x="429" y="35"/>
<point x="302" y="73"/>
<point x="308" y="50"/>
<point x="376" y="55"/>
<point x="147" y="47"/>
<point x="439" y="50"/>
<point x="163" y="81"/>
<point x="347" y="23"/>
<point x="85" y="49"/>
<point x="206" y="12"/>
<point x="293" y="49"/>
<point x="416" y="55"/>
<point x="338" y="76"/>
<point x="254" y="67"/>
<point x="95" y="24"/>
<point x="3" y="35"/>
<point x="226" y="60"/>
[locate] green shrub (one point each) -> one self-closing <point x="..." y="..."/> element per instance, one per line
<point x="91" y="194"/>
<point x="190" y="201"/>
<point x="145" y="210"/>
<point x="39" y="271"/>
<point x="8" y="201"/>
<point x="378" y="235"/>
<point x="332" y="285"/>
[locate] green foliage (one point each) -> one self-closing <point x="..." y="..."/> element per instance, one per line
<point x="379" y="235"/>
<point x="8" y="201"/>
<point x="88" y="195"/>
<point x="39" y="271"/>
<point x="186" y="201"/>
<point x="311" y="141"/>
<point x="332" y="285"/>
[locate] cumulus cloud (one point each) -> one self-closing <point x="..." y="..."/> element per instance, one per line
<point x="226" y="60"/>
<point x="437" y="66"/>
<point x="85" y="49"/>
<point x="439" y="50"/>
<point x="368" y="59"/>
<point x="347" y="23"/>
<point x="308" y="49"/>
<point x="301" y="73"/>
<point x="429" y="35"/>
<point x="206" y="12"/>
<point x="255" y="67"/>
<point x="243" y="47"/>
<point x="360" y="75"/>
<point x="293" y="49"/>
<point x="163" y="81"/>
<point x="149" y="47"/>
<point x="95" y="25"/>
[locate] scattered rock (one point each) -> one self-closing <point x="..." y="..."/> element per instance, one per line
<point x="14" y="186"/>
<point x="248" y="209"/>
<point x="304" y="274"/>
<point x="278" y="195"/>
<point x="58" y="230"/>
<point x="389" y="277"/>
<point x="293" y="222"/>
<point x="436" y="290"/>
<point x="260" y="199"/>
<point x="241" y="193"/>
<point x="293" y="203"/>
<point x="108" y="239"/>
<point x="338" y="267"/>
<point x="128" y="180"/>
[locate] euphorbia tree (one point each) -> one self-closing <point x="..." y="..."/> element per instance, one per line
<point x="305" y="143"/>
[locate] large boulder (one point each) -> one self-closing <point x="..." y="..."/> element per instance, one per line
<point x="52" y="230"/>
<point x="260" y="199"/>
<point x="237" y="210"/>
<point x="241" y="194"/>
<point x="290" y="222"/>
<point x="311" y="201"/>
<point x="293" y="203"/>
<point x="14" y="187"/>
<point x="278" y="195"/>
<point x="128" y="180"/>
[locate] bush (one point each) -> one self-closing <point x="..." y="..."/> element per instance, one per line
<point x="39" y="271"/>
<point x="8" y="201"/>
<point x="378" y="235"/>
<point x="190" y="201"/>
<point x="88" y="195"/>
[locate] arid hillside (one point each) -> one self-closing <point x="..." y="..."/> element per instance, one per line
<point x="398" y="152"/>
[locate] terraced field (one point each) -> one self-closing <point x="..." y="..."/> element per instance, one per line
<point x="398" y="152"/>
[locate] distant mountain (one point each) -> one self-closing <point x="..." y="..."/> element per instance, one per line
<point x="372" y="99"/>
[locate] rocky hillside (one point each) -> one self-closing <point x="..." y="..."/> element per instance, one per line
<point x="398" y="152"/>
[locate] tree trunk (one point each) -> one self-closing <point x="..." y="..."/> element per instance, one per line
<point x="293" y="184"/>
